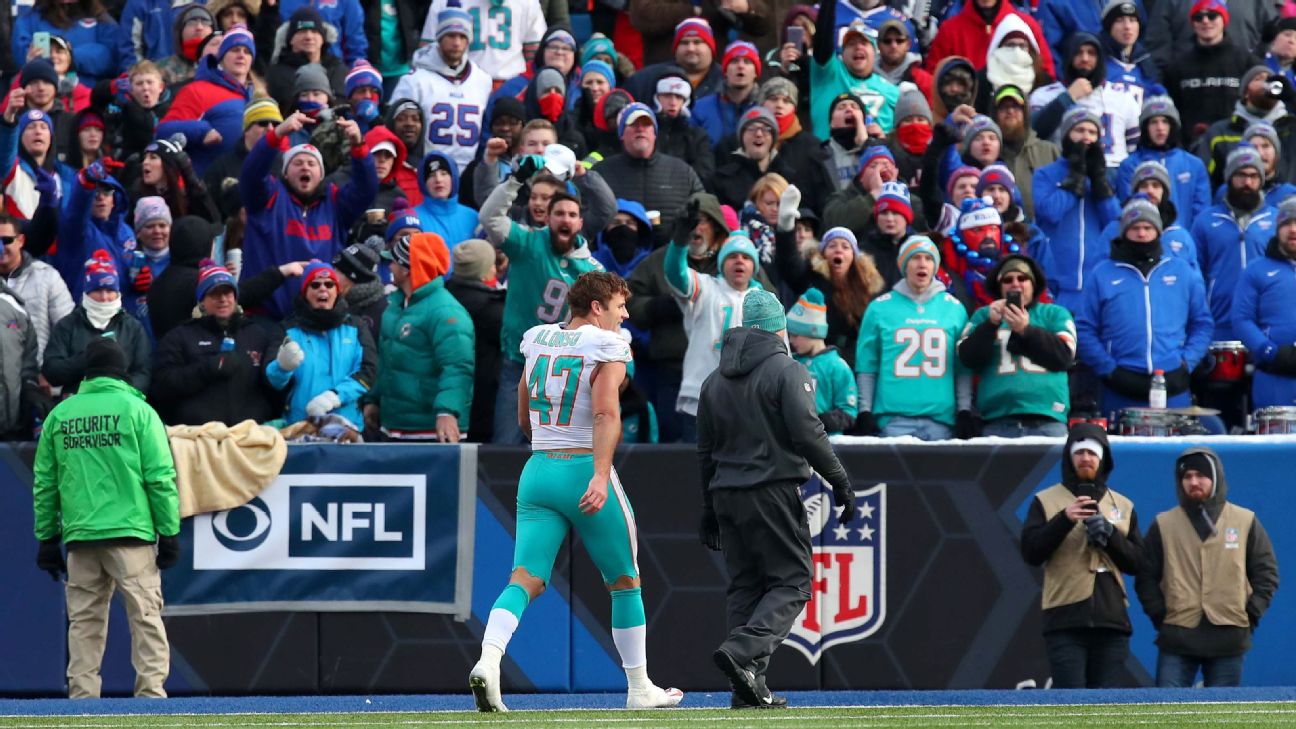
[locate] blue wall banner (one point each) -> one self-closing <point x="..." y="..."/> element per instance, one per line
<point x="361" y="528"/>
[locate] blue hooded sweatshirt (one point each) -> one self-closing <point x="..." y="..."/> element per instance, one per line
<point x="1074" y="229"/>
<point x="603" y="254"/>
<point x="80" y="235"/>
<point x="147" y="30"/>
<point x="94" y="43"/>
<point x="455" y="223"/>
<point x="345" y="15"/>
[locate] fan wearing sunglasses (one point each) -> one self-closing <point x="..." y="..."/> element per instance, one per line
<point x="328" y="360"/>
<point x="1203" y="78"/>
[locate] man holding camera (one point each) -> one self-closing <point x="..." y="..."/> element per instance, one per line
<point x="1022" y="348"/>
<point x="1262" y="92"/>
<point x="1085" y="535"/>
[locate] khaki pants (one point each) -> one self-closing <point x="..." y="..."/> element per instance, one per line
<point x="93" y="574"/>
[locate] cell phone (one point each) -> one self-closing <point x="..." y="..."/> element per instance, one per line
<point x="1014" y="299"/>
<point x="796" y="36"/>
<point x="41" y="41"/>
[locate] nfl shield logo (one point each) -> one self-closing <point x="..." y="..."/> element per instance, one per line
<point x="1231" y="538"/>
<point x="848" y="579"/>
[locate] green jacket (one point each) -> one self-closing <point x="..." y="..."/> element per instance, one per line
<point x="103" y="468"/>
<point x="425" y="360"/>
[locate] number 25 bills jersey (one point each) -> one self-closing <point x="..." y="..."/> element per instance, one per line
<point x="559" y="365"/>
<point x="453" y="105"/>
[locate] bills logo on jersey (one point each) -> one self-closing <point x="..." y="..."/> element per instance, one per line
<point x="848" y="577"/>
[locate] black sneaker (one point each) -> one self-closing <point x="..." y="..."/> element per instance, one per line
<point x="742" y="680"/>
<point x="775" y="702"/>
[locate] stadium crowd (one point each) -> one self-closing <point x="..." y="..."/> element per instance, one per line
<point x="982" y="217"/>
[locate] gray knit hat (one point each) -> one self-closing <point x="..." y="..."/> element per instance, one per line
<point x="980" y="123"/>
<point x="912" y="103"/>
<point x="1077" y="114"/>
<point x="777" y="86"/>
<point x="1243" y="155"/>
<point x="1151" y="170"/>
<point x="1286" y="211"/>
<point x="1162" y="105"/>
<point x="1140" y="209"/>
<point x="472" y="259"/>
<point x="1251" y="73"/>
<point x="1263" y="129"/>
<point x="311" y="77"/>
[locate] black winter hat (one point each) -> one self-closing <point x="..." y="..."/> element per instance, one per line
<point x="357" y="262"/>
<point x="1198" y="462"/>
<point x="105" y="358"/>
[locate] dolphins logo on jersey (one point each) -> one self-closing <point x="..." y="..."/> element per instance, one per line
<point x="848" y="578"/>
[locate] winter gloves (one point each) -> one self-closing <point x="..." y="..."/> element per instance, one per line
<point x="290" y="356"/>
<point x="50" y="558"/>
<point x="789" y="209"/>
<point x="323" y="404"/>
<point x="168" y="552"/>
<point x="1097" y="529"/>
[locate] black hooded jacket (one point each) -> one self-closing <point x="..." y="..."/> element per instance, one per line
<point x="1040" y="538"/>
<point x="776" y="436"/>
<point x="1261" y="568"/>
<point x="1047" y="119"/>
<point x="173" y="295"/>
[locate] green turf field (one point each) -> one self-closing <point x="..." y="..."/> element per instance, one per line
<point x="1108" y="715"/>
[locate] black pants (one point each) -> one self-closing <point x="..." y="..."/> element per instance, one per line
<point x="1087" y="657"/>
<point x="766" y="542"/>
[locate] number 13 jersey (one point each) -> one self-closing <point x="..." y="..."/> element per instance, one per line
<point x="910" y="347"/>
<point x="559" y="365"/>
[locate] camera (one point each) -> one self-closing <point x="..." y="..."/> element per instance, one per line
<point x="1275" y="89"/>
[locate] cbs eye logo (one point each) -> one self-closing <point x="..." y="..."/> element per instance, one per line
<point x="244" y="528"/>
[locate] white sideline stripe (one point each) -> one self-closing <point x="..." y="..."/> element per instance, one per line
<point x="794" y="715"/>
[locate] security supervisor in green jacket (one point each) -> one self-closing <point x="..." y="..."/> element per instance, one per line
<point x="105" y="486"/>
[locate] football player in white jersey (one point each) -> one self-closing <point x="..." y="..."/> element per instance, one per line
<point x="569" y="405"/>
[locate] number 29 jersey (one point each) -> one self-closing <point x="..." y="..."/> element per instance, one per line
<point x="559" y="365"/>
<point x="911" y="348"/>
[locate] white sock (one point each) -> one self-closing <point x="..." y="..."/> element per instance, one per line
<point x="632" y="644"/>
<point x="637" y="678"/>
<point x="499" y="630"/>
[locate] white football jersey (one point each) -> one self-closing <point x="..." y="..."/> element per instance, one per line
<point x="452" y="110"/>
<point x="559" y="364"/>
<point x="500" y="29"/>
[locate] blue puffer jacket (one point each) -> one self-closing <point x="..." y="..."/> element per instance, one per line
<point x="1074" y="229"/>
<point x="94" y="43"/>
<point x="1224" y="250"/>
<point x="1262" y="318"/>
<point x="212" y="100"/>
<point x="455" y="223"/>
<point x="80" y="235"/>
<point x="603" y="254"/>
<point x="147" y="30"/>
<point x="341" y="358"/>
<point x="1189" y="182"/>
<point x="281" y="228"/>
<point x="1113" y="325"/>
<point x="718" y="116"/>
<point x="345" y="15"/>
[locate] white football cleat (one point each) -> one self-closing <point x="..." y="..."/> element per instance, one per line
<point x="653" y="697"/>
<point x="484" y="680"/>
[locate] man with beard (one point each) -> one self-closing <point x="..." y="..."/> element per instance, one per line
<point x="676" y="135"/>
<point x="1159" y="141"/>
<point x="1084" y="83"/>
<point x="1143" y="311"/>
<point x="1260" y="102"/>
<point x="1152" y="180"/>
<point x="1209" y="574"/>
<point x="543" y="264"/>
<point x="450" y="89"/>
<point x="1085" y="535"/>
<point x="850" y="70"/>
<point x="1073" y="202"/>
<point x="719" y="113"/>
<point x="969" y="33"/>
<point x="1232" y="233"/>
<point x="508" y="36"/>
<point x="1023" y="151"/>
<point x="1205" y="79"/>
<point x="405" y="119"/>
<point x="1264" y="138"/>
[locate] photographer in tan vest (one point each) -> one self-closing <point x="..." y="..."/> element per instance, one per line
<point x="1085" y="535"/>
<point x="1209" y="573"/>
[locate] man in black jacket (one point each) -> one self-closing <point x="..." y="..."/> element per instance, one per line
<point x="1085" y="535"/>
<point x="472" y="282"/>
<point x="1209" y="574"/>
<point x="657" y="181"/>
<point x="753" y="461"/>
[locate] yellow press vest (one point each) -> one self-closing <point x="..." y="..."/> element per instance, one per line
<point x="1205" y="577"/>
<point x="1069" y="574"/>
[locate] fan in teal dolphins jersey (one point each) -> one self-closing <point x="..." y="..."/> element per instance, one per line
<point x="835" y="391"/>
